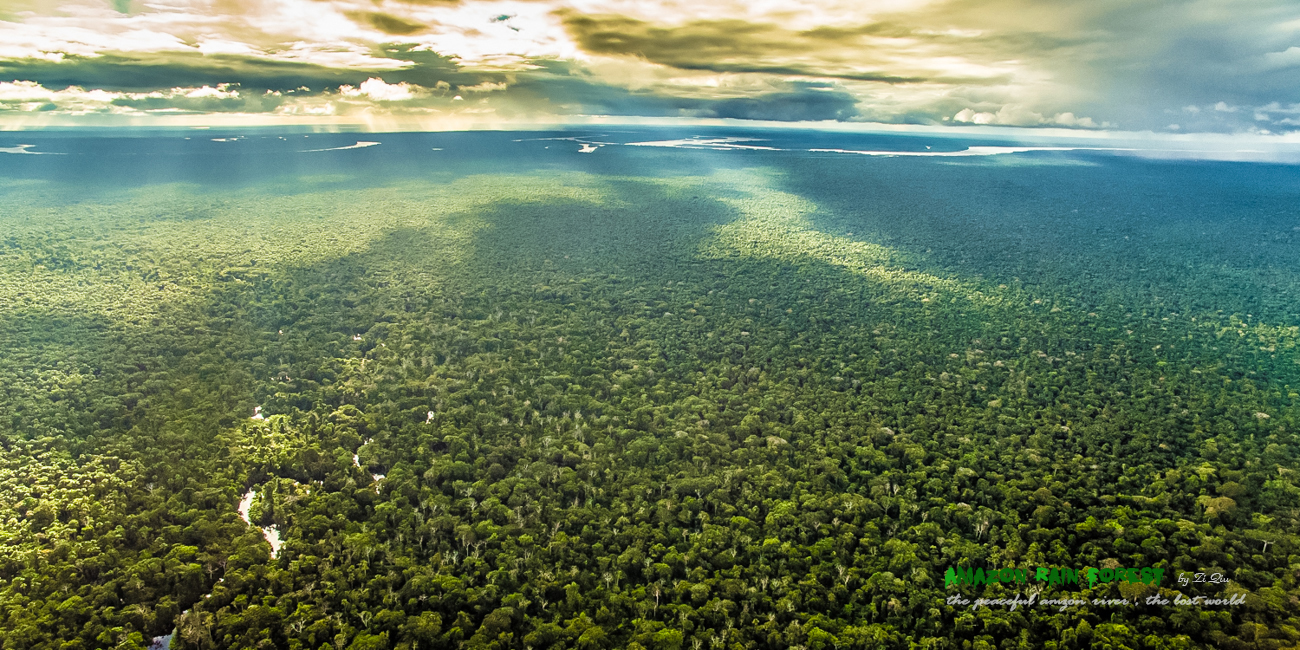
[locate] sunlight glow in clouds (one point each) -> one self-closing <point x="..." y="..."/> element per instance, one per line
<point x="1108" y="64"/>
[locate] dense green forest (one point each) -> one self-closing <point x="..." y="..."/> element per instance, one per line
<point x="578" y="410"/>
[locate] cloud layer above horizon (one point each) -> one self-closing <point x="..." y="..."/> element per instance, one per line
<point x="1226" y="66"/>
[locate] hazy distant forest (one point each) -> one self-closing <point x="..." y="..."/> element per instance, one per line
<point x="650" y="405"/>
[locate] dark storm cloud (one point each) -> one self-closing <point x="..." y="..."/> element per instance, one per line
<point x="427" y="68"/>
<point x="561" y="88"/>
<point x="154" y="71"/>
<point x="146" y="72"/>
<point x="807" y="104"/>
<point x="735" y="46"/>
<point x="243" y="103"/>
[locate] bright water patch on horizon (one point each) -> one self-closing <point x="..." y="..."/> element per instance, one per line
<point x="100" y="159"/>
<point x="361" y="144"/>
<point x="970" y="151"/>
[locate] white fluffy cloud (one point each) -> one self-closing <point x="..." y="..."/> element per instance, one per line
<point x="30" y="91"/>
<point x="1017" y="115"/>
<point x="378" y="90"/>
<point x="31" y="96"/>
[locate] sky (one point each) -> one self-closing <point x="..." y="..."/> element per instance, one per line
<point x="1160" y="66"/>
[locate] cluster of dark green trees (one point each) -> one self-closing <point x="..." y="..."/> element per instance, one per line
<point x="572" y="429"/>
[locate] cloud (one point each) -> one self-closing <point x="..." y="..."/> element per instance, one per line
<point x="1016" y="115"/>
<point x="805" y="105"/>
<point x="29" y="96"/>
<point x="387" y="23"/>
<point x="485" y="87"/>
<point x="222" y="91"/>
<point x="1219" y="65"/>
<point x="1284" y="59"/>
<point x="143" y="72"/>
<point x="560" y="88"/>
<point x="1071" y="120"/>
<point x="740" y="46"/>
<point x="969" y="116"/>
<point x="375" y="88"/>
